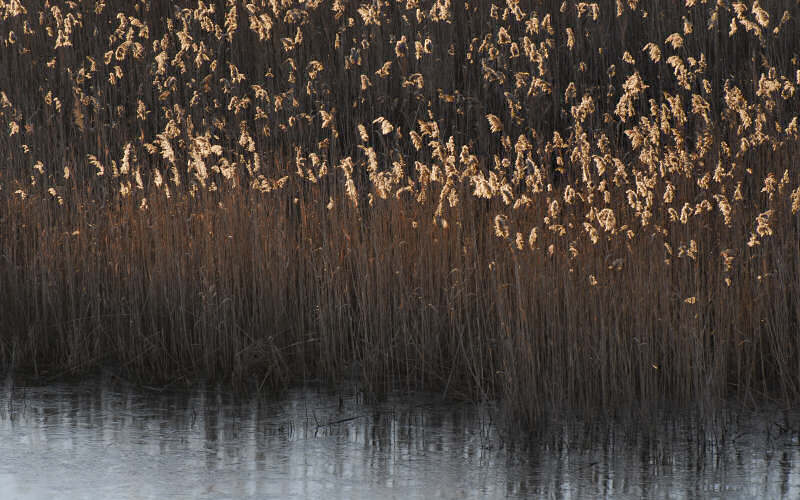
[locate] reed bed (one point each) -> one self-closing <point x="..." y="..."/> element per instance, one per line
<point x="558" y="204"/>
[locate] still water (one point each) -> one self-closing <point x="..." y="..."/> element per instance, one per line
<point x="103" y="438"/>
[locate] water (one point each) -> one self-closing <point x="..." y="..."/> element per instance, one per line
<point x="103" y="438"/>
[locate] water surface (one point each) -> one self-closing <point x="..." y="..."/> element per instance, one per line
<point x="103" y="438"/>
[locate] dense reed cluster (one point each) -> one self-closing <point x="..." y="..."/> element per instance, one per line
<point x="561" y="204"/>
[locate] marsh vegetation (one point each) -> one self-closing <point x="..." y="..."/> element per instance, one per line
<point x="558" y="204"/>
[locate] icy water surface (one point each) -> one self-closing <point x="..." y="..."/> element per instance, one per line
<point x="103" y="438"/>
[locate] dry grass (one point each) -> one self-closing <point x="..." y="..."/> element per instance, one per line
<point x="546" y="202"/>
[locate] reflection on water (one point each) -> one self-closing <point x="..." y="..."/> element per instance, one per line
<point x="104" y="439"/>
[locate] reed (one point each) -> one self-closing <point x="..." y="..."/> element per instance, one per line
<point x="558" y="204"/>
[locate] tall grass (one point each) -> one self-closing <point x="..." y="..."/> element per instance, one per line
<point x="564" y="205"/>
